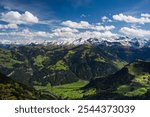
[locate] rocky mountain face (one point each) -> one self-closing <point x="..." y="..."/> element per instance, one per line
<point x="131" y="82"/>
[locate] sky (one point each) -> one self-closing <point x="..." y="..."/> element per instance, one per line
<point x="24" y="21"/>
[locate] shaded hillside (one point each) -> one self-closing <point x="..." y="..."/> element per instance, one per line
<point x="57" y="64"/>
<point x="47" y="68"/>
<point x="12" y="90"/>
<point x="126" y="53"/>
<point x="131" y="82"/>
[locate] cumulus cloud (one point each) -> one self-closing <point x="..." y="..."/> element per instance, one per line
<point x="145" y="15"/>
<point x="24" y="37"/>
<point x="95" y="34"/>
<point x="86" y="25"/>
<point x="65" y="34"/>
<point x="69" y="31"/>
<point x="131" y="19"/>
<point x="14" y="17"/>
<point x="103" y="28"/>
<point x="80" y="25"/>
<point x="134" y="32"/>
<point x="65" y="29"/>
<point x="70" y="36"/>
<point x="104" y="18"/>
<point x="8" y="26"/>
<point x="26" y="33"/>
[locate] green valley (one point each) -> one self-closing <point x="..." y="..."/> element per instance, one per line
<point x="68" y="91"/>
<point x="75" y="72"/>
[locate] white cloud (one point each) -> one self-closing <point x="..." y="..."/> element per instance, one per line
<point x="24" y="37"/>
<point x="104" y="18"/>
<point x="70" y="36"/>
<point x="66" y="35"/>
<point x="103" y="28"/>
<point x="14" y="17"/>
<point x="134" y="32"/>
<point x="69" y="32"/>
<point x="80" y="25"/>
<point x="26" y="33"/>
<point x="131" y="19"/>
<point x="95" y="34"/>
<point x="86" y="25"/>
<point x="65" y="29"/>
<point x="48" y="22"/>
<point x="8" y="26"/>
<point x="145" y="15"/>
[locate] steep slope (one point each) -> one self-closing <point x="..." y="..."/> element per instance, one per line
<point x="57" y="64"/>
<point x="126" y="53"/>
<point x="12" y="90"/>
<point x="131" y="82"/>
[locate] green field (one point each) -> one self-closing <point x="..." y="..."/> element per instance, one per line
<point x="68" y="91"/>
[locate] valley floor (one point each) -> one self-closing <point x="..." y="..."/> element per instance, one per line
<point x="68" y="91"/>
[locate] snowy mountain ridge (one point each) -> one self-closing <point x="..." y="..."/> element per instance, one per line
<point x="121" y="41"/>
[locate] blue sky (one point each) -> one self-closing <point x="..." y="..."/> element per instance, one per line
<point x="73" y="9"/>
<point x="48" y="19"/>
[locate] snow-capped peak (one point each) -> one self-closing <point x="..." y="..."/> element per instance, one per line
<point x="121" y="41"/>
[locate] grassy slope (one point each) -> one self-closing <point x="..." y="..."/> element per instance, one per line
<point x="61" y="60"/>
<point x="141" y="82"/>
<point x="68" y="91"/>
<point x="6" y="59"/>
<point x="38" y="60"/>
<point x="50" y="63"/>
<point x="12" y="90"/>
<point x="132" y="82"/>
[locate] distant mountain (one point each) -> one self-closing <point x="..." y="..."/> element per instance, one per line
<point x="120" y="41"/>
<point x="46" y="66"/>
<point x="128" y="54"/>
<point x="131" y="82"/>
<point x="5" y="46"/>
<point x="39" y="64"/>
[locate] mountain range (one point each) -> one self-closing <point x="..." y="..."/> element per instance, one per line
<point x="120" y="41"/>
<point x="82" y="69"/>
